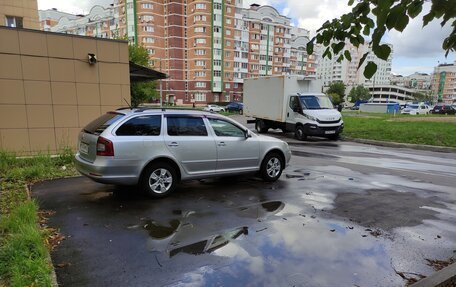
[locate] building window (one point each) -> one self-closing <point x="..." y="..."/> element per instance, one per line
<point x="147" y="6"/>
<point x="12" y="21"/>
<point x="200" y="84"/>
<point x="227" y="86"/>
<point x="200" y="6"/>
<point x="200" y="97"/>
<point x="217" y="6"/>
<point x="200" y="30"/>
<point x="148" y="29"/>
<point x="151" y="51"/>
<point x="217" y="62"/>
<point x="200" y="52"/>
<point x="228" y="32"/>
<point x="200" y="41"/>
<point x="200" y="74"/>
<point x="147" y="18"/>
<point x="148" y="40"/>
<point x="235" y="85"/>
<point x="200" y="63"/>
<point x="199" y="18"/>
<point x="217" y="73"/>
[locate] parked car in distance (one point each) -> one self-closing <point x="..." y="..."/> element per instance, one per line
<point x="416" y="109"/>
<point x="443" y="109"/>
<point x="235" y="107"/>
<point x="214" y="108"/>
<point x="156" y="149"/>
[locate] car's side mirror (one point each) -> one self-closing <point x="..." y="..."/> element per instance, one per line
<point x="339" y="108"/>
<point x="247" y="134"/>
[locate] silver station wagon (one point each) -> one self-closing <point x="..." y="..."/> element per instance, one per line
<point x="157" y="148"/>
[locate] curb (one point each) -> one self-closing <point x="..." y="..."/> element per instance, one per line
<point x="53" y="274"/>
<point x="443" y="278"/>
<point x="403" y="145"/>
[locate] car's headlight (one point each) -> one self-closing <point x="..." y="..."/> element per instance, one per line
<point x="312" y="118"/>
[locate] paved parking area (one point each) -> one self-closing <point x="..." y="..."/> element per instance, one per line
<point x="342" y="214"/>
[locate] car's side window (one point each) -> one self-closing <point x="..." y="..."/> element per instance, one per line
<point x="186" y="126"/>
<point x="225" y="129"/>
<point x="149" y="125"/>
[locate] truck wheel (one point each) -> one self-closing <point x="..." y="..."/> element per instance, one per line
<point x="261" y="126"/>
<point x="299" y="133"/>
<point x="271" y="167"/>
<point x="159" y="180"/>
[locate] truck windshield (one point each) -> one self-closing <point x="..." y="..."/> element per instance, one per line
<point x="316" y="103"/>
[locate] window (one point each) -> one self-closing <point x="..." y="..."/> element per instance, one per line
<point x="218" y="6"/>
<point x="200" y="97"/>
<point x="186" y="126"/>
<point x="200" y="6"/>
<point x="225" y="129"/>
<point x="200" y="30"/>
<point x="228" y="32"/>
<point x="227" y="85"/>
<point x="147" y="18"/>
<point x="200" y="84"/>
<point x="148" y="29"/>
<point x="200" y="41"/>
<point x="98" y="125"/>
<point x="199" y="18"/>
<point x="147" y="6"/>
<point x="148" y="40"/>
<point x="141" y="126"/>
<point x="217" y="73"/>
<point x="200" y="52"/>
<point x="217" y="62"/>
<point x="200" y="63"/>
<point x="12" y="21"/>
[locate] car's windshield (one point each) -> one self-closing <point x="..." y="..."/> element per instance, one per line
<point x="412" y="106"/>
<point x="316" y="103"/>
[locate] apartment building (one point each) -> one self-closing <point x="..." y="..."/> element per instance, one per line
<point x="19" y="14"/>
<point x="206" y="47"/>
<point x="51" y="17"/>
<point x="444" y="83"/>
<point x="330" y="70"/>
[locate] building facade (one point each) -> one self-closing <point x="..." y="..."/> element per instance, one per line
<point x="19" y="14"/>
<point x="49" y="89"/>
<point x="391" y="94"/>
<point x="444" y="83"/>
<point x="330" y="70"/>
<point x="206" y="47"/>
<point x="418" y="81"/>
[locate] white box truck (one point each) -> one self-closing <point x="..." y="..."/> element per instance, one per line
<point x="291" y="104"/>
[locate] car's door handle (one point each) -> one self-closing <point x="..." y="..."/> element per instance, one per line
<point x="221" y="144"/>
<point x="173" y="144"/>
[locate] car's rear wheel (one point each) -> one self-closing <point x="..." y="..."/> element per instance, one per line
<point x="271" y="167"/>
<point x="159" y="179"/>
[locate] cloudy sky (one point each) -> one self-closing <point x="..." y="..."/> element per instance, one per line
<point x="415" y="50"/>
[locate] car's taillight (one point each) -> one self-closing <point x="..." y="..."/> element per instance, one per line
<point x="104" y="147"/>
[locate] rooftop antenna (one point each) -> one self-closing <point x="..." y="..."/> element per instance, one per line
<point x="127" y="103"/>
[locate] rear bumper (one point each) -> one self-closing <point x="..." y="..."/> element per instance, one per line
<point x="106" y="171"/>
<point x="314" y="130"/>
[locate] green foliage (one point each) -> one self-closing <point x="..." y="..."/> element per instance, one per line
<point x="141" y="92"/>
<point x="424" y="97"/>
<point x="393" y="129"/>
<point x="24" y="255"/>
<point x="336" y="99"/>
<point x="337" y="88"/>
<point x="359" y="93"/>
<point x="388" y="15"/>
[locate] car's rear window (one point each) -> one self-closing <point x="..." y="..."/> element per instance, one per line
<point x="100" y="124"/>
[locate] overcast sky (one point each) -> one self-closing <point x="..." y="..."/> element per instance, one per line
<point x="415" y="50"/>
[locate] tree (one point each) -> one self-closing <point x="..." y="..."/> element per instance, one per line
<point x="336" y="99"/>
<point x="389" y="15"/>
<point x="359" y="93"/>
<point x="337" y="88"/>
<point x="141" y="92"/>
<point x="424" y="97"/>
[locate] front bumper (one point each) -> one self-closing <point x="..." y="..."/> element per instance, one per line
<point x="315" y="130"/>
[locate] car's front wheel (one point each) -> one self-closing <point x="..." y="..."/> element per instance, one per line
<point x="271" y="167"/>
<point x="159" y="180"/>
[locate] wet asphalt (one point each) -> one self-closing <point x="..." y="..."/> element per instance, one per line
<point x="342" y="214"/>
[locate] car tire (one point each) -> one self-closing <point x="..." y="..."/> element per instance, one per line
<point x="211" y="110"/>
<point x="159" y="180"/>
<point x="272" y="167"/>
<point x="261" y="126"/>
<point x="299" y="133"/>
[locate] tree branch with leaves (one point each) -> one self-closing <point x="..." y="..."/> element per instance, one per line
<point x="374" y="18"/>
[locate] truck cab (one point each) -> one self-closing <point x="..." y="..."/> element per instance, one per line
<point x="313" y="114"/>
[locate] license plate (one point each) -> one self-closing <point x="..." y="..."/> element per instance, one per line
<point x="437" y="111"/>
<point x="330" y="132"/>
<point x="84" y="148"/>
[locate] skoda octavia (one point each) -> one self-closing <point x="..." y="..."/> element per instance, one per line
<point x="158" y="148"/>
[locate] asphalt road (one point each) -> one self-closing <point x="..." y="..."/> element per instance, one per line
<point x="342" y="214"/>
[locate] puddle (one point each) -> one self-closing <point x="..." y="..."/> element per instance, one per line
<point x="310" y="154"/>
<point x="385" y="209"/>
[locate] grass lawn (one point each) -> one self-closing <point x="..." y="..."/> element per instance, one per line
<point x="23" y="251"/>
<point x="429" y="130"/>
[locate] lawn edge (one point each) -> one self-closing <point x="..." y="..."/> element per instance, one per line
<point x="402" y="145"/>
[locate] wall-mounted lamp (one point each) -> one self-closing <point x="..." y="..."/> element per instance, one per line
<point x="92" y="58"/>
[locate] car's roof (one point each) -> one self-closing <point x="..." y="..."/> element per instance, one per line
<point x="127" y="111"/>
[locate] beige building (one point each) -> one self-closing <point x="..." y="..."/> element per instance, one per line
<point x="19" y="14"/>
<point x="49" y="90"/>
